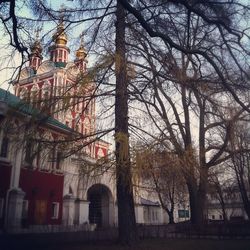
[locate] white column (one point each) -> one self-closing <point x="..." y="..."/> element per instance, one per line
<point x="139" y="213"/>
<point x="15" y="205"/>
<point x="160" y="215"/>
<point x="116" y="215"/>
<point x="68" y="209"/>
<point x="83" y="211"/>
<point x="16" y="169"/>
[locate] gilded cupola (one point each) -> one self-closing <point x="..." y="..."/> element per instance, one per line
<point x="81" y="52"/>
<point x="36" y="48"/>
<point x="60" y="36"/>
<point x="35" y="57"/>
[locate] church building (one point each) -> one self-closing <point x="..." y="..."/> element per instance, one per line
<point x="53" y="167"/>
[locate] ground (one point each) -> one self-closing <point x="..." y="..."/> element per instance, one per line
<point x="165" y="244"/>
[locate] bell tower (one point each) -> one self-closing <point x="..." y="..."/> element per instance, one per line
<point x="81" y="60"/>
<point x="35" y="58"/>
<point x="59" y="51"/>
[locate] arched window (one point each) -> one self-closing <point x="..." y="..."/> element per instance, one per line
<point x="35" y="95"/>
<point x="77" y="127"/>
<point x="45" y="152"/>
<point x="56" y="157"/>
<point x="46" y="89"/>
<point x="24" y="94"/>
<point x="87" y="109"/>
<point x="46" y="95"/>
<point x="29" y="152"/>
<point x="70" y="190"/>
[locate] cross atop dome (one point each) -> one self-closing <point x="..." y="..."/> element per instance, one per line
<point x="81" y="52"/>
<point x="60" y="36"/>
<point x="36" y="52"/>
<point x="59" y="51"/>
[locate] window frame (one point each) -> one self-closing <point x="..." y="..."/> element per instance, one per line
<point x="55" y="210"/>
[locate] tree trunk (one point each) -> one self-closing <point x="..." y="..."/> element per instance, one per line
<point x="192" y="190"/>
<point x="224" y="214"/>
<point x="171" y="217"/>
<point x="197" y="207"/>
<point x="246" y="203"/>
<point x="126" y="213"/>
<point x="222" y="202"/>
<point x="197" y="198"/>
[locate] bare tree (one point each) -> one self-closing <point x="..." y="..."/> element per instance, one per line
<point x="240" y="142"/>
<point x="159" y="172"/>
<point x="200" y="49"/>
<point x="222" y="19"/>
<point x="89" y="12"/>
<point x="126" y="213"/>
<point x="188" y="110"/>
<point x="218" y="191"/>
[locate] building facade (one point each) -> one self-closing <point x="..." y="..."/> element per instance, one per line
<point x="53" y="168"/>
<point x="228" y="206"/>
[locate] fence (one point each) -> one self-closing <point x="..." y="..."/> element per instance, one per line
<point x="186" y="230"/>
<point x="55" y="238"/>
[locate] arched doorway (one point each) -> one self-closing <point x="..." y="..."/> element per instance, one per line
<point x="101" y="207"/>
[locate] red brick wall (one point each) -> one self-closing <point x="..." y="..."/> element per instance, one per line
<point x="42" y="186"/>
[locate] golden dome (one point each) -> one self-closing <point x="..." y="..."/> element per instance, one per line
<point x="36" y="48"/>
<point x="60" y="37"/>
<point x="81" y="52"/>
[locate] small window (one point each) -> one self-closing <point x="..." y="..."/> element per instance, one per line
<point x="213" y="217"/>
<point x="52" y="157"/>
<point x="82" y="128"/>
<point x="4" y="147"/>
<point x="39" y="150"/>
<point x="77" y="105"/>
<point x="70" y="190"/>
<point x="1" y="207"/>
<point x="55" y="210"/>
<point x="144" y="214"/>
<point x="156" y="215"/>
<point x="182" y="213"/>
<point x="58" y="160"/>
<point x="29" y="152"/>
<point x="77" y="128"/>
<point x="221" y="217"/>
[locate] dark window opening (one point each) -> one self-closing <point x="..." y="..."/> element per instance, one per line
<point x="29" y="152"/>
<point x="4" y="147"/>
<point x="183" y="213"/>
<point x="58" y="160"/>
<point x="39" y="149"/>
<point x="95" y="209"/>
